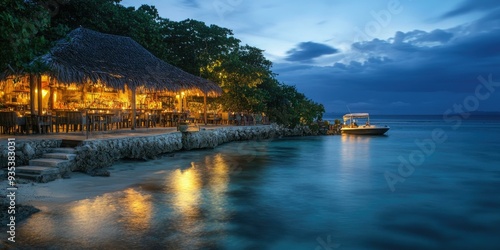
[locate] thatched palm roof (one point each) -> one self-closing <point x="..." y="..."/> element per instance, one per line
<point x="86" y="55"/>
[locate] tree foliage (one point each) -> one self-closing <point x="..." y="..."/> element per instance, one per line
<point x="192" y="45"/>
<point x="20" y="25"/>
<point x="285" y="105"/>
<point x="239" y="76"/>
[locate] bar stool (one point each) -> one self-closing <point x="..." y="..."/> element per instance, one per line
<point x="60" y="121"/>
<point x="74" y="121"/>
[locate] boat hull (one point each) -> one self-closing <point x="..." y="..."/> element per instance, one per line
<point x="365" y="130"/>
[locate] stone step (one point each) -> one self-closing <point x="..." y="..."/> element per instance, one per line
<point x="38" y="173"/>
<point x="62" y="156"/>
<point x="39" y="177"/>
<point x="36" y="170"/>
<point x="46" y="162"/>
<point x="32" y="177"/>
<point x="64" y="150"/>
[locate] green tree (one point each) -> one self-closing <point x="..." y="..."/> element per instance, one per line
<point x="192" y="45"/>
<point x="286" y="106"/>
<point x="239" y="76"/>
<point x="21" y="23"/>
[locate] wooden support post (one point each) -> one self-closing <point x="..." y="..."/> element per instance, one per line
<point x="40" y="96"/>
<point x="52" y="102"/>
<point x="133" y="108"/>
<point x="205" y="108"/>
<point x="32" y="93"/>
<point x="84" y="94"/>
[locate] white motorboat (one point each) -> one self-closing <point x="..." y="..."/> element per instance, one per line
<point x="352" y="126"/>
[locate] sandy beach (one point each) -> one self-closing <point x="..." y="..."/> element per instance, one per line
<point x="82" y="186"/>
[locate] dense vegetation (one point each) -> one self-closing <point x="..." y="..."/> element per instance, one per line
<point x="29" y="28"/>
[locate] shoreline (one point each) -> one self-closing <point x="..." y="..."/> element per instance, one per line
<point x="117" y="157"/>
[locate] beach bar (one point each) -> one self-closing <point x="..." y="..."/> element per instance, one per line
<point x="99" y="81"/>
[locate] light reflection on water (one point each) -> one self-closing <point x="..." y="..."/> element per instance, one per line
<point x="86" y="216"/>
<point x="186" y="186"/>
<point x="137" y="210"/>
<point x="352" y="148"/>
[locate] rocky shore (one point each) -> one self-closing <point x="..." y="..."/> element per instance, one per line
<point x="94" y="155"/>
<point x="22" y="212"/>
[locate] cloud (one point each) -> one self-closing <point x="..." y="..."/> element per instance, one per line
<point x="422" y="38"/>
<point x="469" y="6"/>
<point x="307" y="51"/>
<point x="190" y="3"/>
<point x="427" y="70"/>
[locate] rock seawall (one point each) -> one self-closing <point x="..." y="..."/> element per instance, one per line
<point x="213" y="138"/>
<point x="93" y="155"/>
<point x="96" y="154"/>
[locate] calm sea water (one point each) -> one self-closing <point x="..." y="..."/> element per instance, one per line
<point x="320" y="193"/>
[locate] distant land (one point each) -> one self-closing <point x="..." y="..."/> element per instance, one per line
<point x="474" y="113"/>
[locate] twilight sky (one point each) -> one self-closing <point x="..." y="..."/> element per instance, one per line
<point x="377" y="56"/>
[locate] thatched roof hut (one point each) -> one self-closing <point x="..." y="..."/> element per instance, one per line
<point x="115" y="61"/>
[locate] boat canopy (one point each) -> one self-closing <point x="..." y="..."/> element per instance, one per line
<point x="355" y="115"/>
